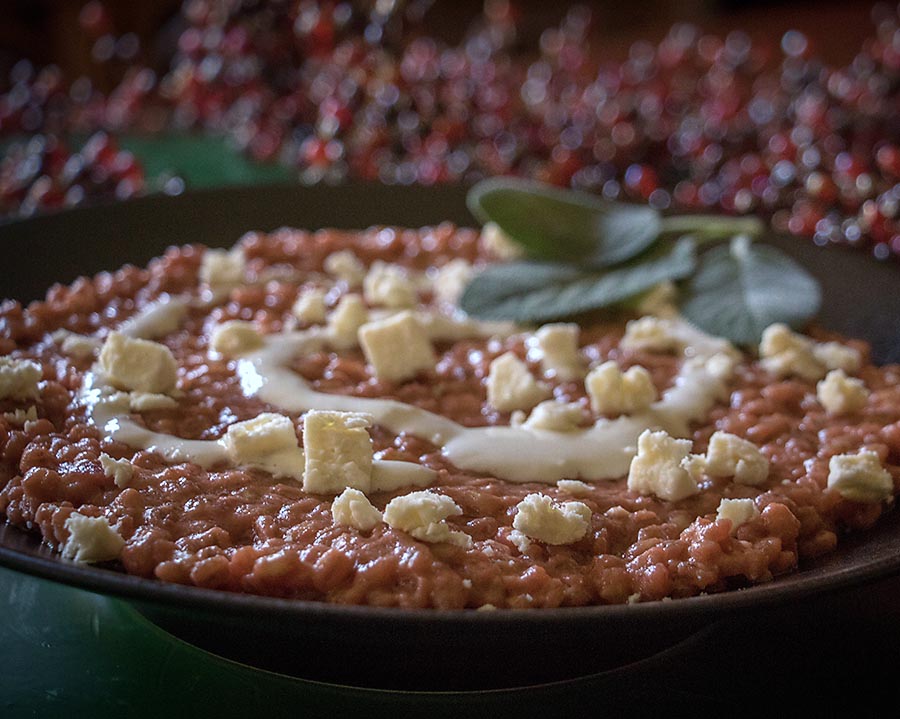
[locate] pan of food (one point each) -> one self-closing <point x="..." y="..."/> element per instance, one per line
<point x="443" y="438"/>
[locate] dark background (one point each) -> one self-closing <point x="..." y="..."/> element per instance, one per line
<point x="47" y="31"/>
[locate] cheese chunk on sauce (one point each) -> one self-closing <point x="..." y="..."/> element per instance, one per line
<point x="860" y="477"/>
<point x="136" y="364"/>
<point x="657" y="467"/>
<point x="615" y="392"/>
<point x="539" y="517"/>
<point x="511" y="386"/>
<point x="397" y="347"/>
<point x="338" y="451"/>
<point x="91" y="539"/>
<point x="423" y="515"/>
<point x="19" y="378"/>
<point x="352" y="508"/>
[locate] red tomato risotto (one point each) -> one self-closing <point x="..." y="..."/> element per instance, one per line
<point x="310" y="415"/>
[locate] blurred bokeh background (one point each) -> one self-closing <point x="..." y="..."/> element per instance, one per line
<point x="787" y="109"/>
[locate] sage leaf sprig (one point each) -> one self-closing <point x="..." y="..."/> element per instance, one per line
<point x="585" y="253"/>
<point x="740" y="289"/>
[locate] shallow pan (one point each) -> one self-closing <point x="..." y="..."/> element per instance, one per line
<point x="406" y="649"/>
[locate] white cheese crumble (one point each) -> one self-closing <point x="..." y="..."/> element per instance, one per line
<point x="731" y="456"/>
<point x="652" y="334"/>
<point x="659" y="301"/>
<point x="120" y="471"/>
<point x="615" y="392"/>
<point x="451" y="279"/>
<point x="136" y="364"/>
<point x="554" y="416"/>
<point x="345" y="320"/>
<point x="91" y="539"/>
<point x="860" y="477"/>
<point x="234" y="338"/>
<point x="575" y="487"/>
<point x="498" y="244"/>
<point x="344" y="265"/>
<point x="840" y="394"/>
<point x="557" y="347"/>
<point x="352" y="508"/>
<point x="309" y="306"/>
<point x="657" y="467"/>
<point x="19" y="378"/>
<point x="223" y="269"/>
<point x="511" y="386"/>
<point x="76" y="345"/>
<point x="786" y="353"/>
<point x="423" y="514"/>
<point x="338" y="451"/>
<point x="539" y="517"/>
<point x="397" y="347"/>
<point x="737" y="511"/>
<point x="387" y="285"/>
<point x="268" y="442"/>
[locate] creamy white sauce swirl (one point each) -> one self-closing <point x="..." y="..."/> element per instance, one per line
<point x="514" y="453"/>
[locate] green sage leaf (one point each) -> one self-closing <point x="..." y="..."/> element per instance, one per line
<point x="742" y="288"/>
<point x="540" y="292"/>
<point x="565" y="225"/>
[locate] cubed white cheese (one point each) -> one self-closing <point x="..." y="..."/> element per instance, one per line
<point x="540" y="518"/>
<point x="338" y="451"/>
<point x="657" y="467"/>
<point x="615" y="392"/>
<point x="423" y="514"/>
<point x="835" y="355"/>
<point x="785" y="353"/>
<point x="397" y="347"/>
<point x="451" y="279"/>
<point x="557" y="346"/>
<point x="268" y="441"/>
<point x="19" y="378"/>
<point x="575" y="487"/>
<point x="345" y="320"/>
<point x="234" y="338"/>
<point x="149" y="401"/>
<point x="721" y="366"/>
<point x="554" y="416"/>
<point x="652" y="334"/>
<point x="76" y="345"/>
<point x="498" y="244"/>
<point x="120" y="471"/>
<point x="860" y="477"/>
<point x="731" y="456"/>
<point x="660" y="301"/>
<point x="346" y="267"/>
<point x="135" y="364"/>
<point x="352" y="508"/>
<point x="309" y="307"/>
<point x="737" y="511"/>
<point x="840" y="394"/>
<point x="223" y="269"/>
<point x="387" y="285"/>
<point x="91" y="539"/>
<point x="511" y="386"/>
<point x="519" y="540"/>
